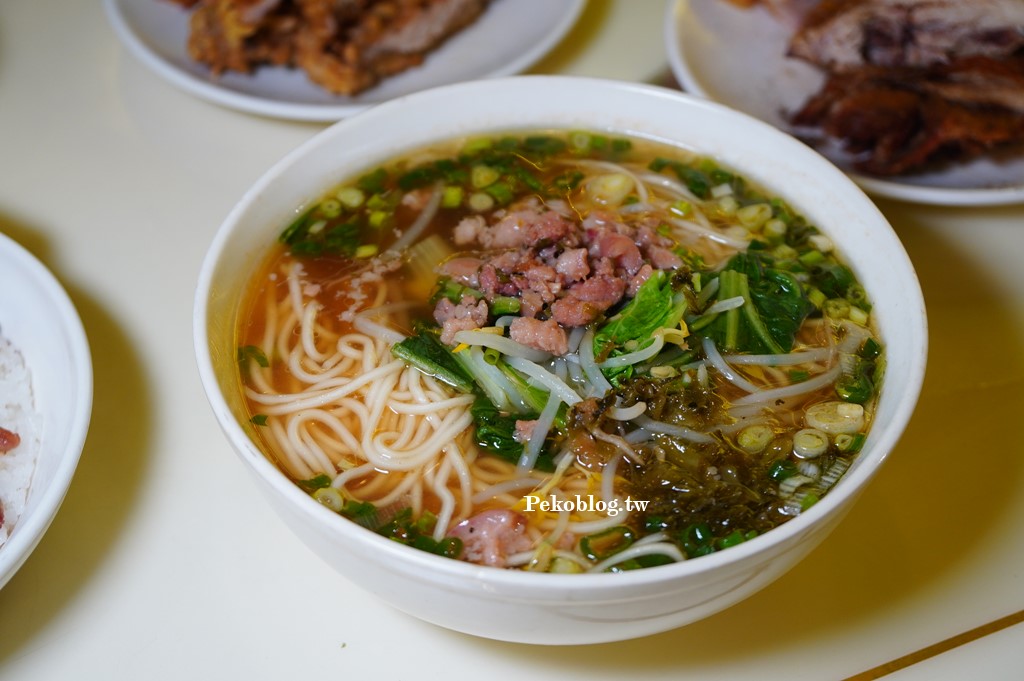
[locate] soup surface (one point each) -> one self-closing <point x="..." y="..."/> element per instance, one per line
<point x="559" y="352"/>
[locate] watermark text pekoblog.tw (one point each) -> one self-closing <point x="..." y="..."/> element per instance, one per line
<point x="583" y="504"/>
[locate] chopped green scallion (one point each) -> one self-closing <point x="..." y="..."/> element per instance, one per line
<point x="858" y="316"/>
<point x="504" y="305"/>
<point x="252" y="352"/>
<point x="681" y="208"/>
<point x="579" y="141"/>
<point x="817" y="298"/>
<point x="483" y="176"/>
<point x="501" y="192"/>
<point x="600" y="545"/>
<point x="367" y="251"/>
<point x="330" y="208"/>
<point x="315" y="483"/>
<point x="782" y="469"/>
<point x="798" y="376"/>
<point x="871" y="349"/>
<point x="850" y="443"/>
<point x="477" y="145"/>
<point x="451" y="197"/>
<point x="836" y="308"/>
<point x="480" y="201"/>
<point x="811" y="258"/>
<point x="331" y="498"/>
<point x="351" y="197"/>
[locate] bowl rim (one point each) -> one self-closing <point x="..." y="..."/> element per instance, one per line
<point x="31" y="527"/>
<point x="877" y="450"/>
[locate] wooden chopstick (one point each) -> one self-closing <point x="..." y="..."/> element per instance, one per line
<point x="937" y="648"/>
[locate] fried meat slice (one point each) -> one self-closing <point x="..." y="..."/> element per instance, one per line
<point x="387" y="37"/>
<point x="895" y="121"/>
<point x="846" y="34"/>
<point x="345" y="46"/>
<point x="239" y="35"/>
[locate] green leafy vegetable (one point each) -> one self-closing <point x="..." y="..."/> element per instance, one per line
<point x="655" y="306"/>
<point x="247" y="352"/>
<point x="695" y="180"/>
<point x="418" y="177"/>
<point x="315" y="483"/>
<point x="312" y="234"/>
<point x="298" y="227"/>
<point x="373" y="182"/>
<point x="567" y="181"/>
<point x="426" y="352"/>
<point x="543" y="145"/>
<point x="774" y="306"/>
<point x="495" y="432"/>
<point x="416" y="533"/>
<point x="446" y="169"/>
<point x="535" y="398"/>
<point x="363" y="512"/>
<point x="832" y="278"/>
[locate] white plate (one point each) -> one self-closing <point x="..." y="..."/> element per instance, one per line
<point x="737" y="57"/>
<point x="37" y="316"/>
<point x="508" y="38"/>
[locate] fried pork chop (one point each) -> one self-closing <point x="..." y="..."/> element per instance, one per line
<point x="345" y="46"/>
<point x="347" y="54"/>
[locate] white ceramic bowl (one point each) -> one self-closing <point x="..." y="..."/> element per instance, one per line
<point x="37" y="316"/>
<point x="550" y="608"/>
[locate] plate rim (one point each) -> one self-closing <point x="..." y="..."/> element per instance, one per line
<point x="30" y="530"/>
<point x="307" y="112"/>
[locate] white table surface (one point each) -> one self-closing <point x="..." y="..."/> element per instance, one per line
<point x="164" y="562"/>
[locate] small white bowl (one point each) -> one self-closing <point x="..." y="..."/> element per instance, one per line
<point x="551" y="608"/>
<point x="37" y="316"/>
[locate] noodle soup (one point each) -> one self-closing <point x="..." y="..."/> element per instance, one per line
<point x="559" y="352"/>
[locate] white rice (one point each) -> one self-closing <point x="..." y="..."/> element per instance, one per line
<point x="18" y="415"/>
